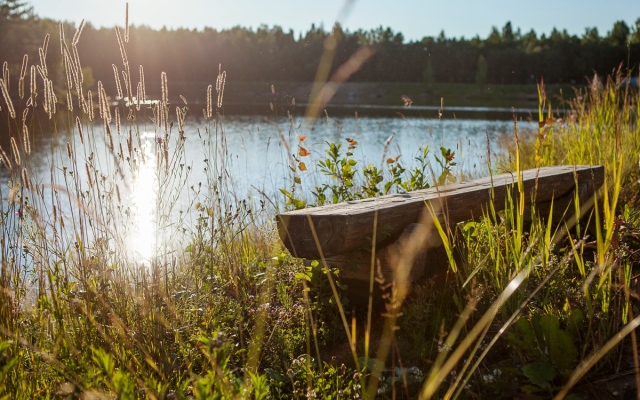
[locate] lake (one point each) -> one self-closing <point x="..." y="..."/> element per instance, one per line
<point x="168" y="184"/>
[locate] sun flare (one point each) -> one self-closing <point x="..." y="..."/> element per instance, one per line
<point x="143" y="196"/>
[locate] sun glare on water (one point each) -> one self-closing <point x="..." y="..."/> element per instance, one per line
<point x="144" y="196"/>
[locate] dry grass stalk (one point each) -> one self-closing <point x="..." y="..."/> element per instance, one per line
<point x="209" y="111"/>
<point x="33" y="87"/>
<point x="165" y="89"/>
<point x="51" y="98"/>
<point x="144" y="89"/>
<point x="130" y="144"/>
<point x="138" y="95"/>
<point x="46" y="96"/>
<point x="79" y="126"/>
<point x="165" y="148"/>
<point x="164" y="106"/>
<point x="180" y="115"/>
<point x="7" y="98"/>
<point x="103" y="104"/>
<point x="125" y="62"/>
<point x="109" y="136"/>
<point x="70" y="74"/>
<point x="45" y="44"/>
<point x="43" y="65"/>
<point x="76" y="62"/>
<point x="126" y="24"/>
<point x="25" y="139"/>
<point x="222" y="78"/>
<point x="79" y="77"/>
<point x="117" y="121"/>
<point x="101" y="100"/>
<point x="63" y="40"/>
<point x="69" y="66"/>
<point x="23" y="72"/>
<point x="89" y="180"/>
<point x="69" y="150"/>
<point x="5" y="74"/>
<point x="41" y="72"/>
<point x="69" y="101"/>
<point x="5" y="159"/>
<point x="25" y="179"/>
<point x="126" y="85"/>
<point x="76" y="36"/>
<point x="116" y="76"/>
<point x="16" y="151"/>
<point x="90" y="105"/>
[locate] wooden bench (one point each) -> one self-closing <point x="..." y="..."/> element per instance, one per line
<point x="343" y="234"/>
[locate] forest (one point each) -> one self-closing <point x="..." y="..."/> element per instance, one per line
<point x="271" y="54"/>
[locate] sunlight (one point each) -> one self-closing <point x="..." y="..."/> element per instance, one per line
<point x="144" y="200"/>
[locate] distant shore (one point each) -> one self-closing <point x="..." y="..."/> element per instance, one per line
<point x="376" y="98"/>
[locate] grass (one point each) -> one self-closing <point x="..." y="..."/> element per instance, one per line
<point x="523" y="309"/>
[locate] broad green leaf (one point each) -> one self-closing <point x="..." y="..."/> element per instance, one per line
<point x="540" y="374"/>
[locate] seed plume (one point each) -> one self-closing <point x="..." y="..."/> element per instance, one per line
<point x="23" y="72"/>
<point x="126" y="24"/>
<point x="79" y="126"/>
<point x="76" y="36"/>
<point x="117" y="79"/>
<point x="25" y="179"/>
<point x="7" y="98"/>
<point x="5" y="159"/>
<point x="25" y="138"/>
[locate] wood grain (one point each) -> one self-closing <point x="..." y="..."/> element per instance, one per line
<point x="338" y="229"/>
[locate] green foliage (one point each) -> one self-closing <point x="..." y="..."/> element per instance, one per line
<point x="7" y="364"/>
<point x="116" y="381"/>
<point x="540" y="374"/>
<point x="306" y="379"/>
<point x="340" y="170"/>
<point x="345" y="182"/>
<point x="544" y="340"/>
<point x="446" y="164"/>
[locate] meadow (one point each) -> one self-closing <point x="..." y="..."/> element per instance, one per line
<point x="520" y="311"/>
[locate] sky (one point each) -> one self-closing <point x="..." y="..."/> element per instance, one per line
<point x="415" y="19"/>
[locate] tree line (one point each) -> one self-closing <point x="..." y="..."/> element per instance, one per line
<point x="271" y="54"/>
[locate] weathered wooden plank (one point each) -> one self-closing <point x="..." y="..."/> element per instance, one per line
<point x="430" y="255"/>
<point x="345" y="227"/>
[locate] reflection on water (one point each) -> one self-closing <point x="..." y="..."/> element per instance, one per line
<point x="142" y="238"/>
<point x="252" y="154"/>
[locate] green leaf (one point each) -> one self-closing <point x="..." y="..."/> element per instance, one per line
<point x="524" y="336"/>
<point x="562" y="350"/>
<point x="540" y="374"/>
<point x="576" y="319"/>
<point x="299" y="204"/>
<point x="301" y="275"/>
